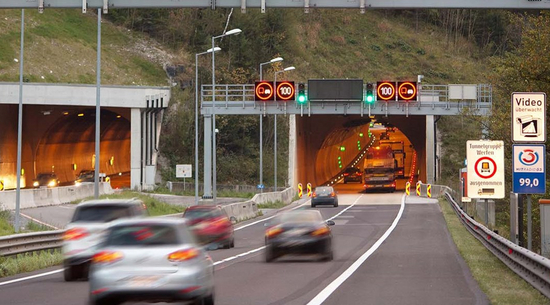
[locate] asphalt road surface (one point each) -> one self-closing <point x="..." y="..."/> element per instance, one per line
<point x="388" y="249"/>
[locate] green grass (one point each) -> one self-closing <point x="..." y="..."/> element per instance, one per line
<point x="7" y="229"/>
<point x="501" y="285"/>
<point x="28" y="262"/>
<point x="272" y="205"/>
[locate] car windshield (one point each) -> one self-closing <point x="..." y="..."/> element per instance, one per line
<point x="142" y="235"/>
<point x="300" y="217"/>
<point x="101" y="213"/>
<point x="202" y="213"/>
<point x="45" y="176"/>
<point x="86" y="175"/>
<point x="323" y="190"/>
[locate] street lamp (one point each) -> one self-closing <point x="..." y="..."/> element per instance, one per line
<point x="276" y="59"/>
<point x="216" y="49"/>
<point x="231" y="32"/>
<point x="275" y="130"/>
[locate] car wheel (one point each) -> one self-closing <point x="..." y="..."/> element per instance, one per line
<point x="328" y="257"/>
<point x="269" y="255"/>
<point x="336" y="205"/>
<point x="103" y="302"/>
<point x="69" y="274"/>
<point x="207" y="300"/>
<point x="313" y="205"/>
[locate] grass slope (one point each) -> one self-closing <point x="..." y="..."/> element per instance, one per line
<point x="60" y="47"/>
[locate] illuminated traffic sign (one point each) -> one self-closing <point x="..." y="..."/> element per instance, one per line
<point x="285" y="91"/>
<point x="264" y="91"/>
<point x="385" y="91"/>
<point x="406" y="91"/>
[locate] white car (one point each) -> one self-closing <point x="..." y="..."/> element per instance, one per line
<point x="86" y="230"/>
<point x="153" y="260"/>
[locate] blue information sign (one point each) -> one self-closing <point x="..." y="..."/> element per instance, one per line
<point x="529" y="169"/>
<point x="260" y="186"/>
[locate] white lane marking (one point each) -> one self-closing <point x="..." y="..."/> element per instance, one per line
<point x="268" y="218"/>
<point x="215" y="263"/>
<point x="325" y="293"/>
<point x="38" y="221"/>
<point x="30" y="277"/>
<point x="238" y="255"/>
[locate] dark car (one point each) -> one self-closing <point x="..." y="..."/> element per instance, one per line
<point x="210" y="225"/>
<point x="353" y="174"/>
<point x="85" y="176"/>
<point x="87" y="227"/>
<point x="324" y="195"/>
<point x="300" y="232"/>
<point x="46" y="179"/>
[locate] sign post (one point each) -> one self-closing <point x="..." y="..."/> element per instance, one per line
<point x="184" y="171"/>
<point x="485" y="169"/>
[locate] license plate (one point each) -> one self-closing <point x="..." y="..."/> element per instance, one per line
<point x="144" y="281"/>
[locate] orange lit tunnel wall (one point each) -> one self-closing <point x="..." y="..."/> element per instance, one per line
<point x="317" y="136"/>
<point x="55" y="138"/>
<point x="71" y="140"/>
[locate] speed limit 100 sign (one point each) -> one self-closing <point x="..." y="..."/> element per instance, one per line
<point x="385" y="91"/>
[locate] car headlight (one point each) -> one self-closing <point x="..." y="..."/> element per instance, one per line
<point x="35" y="184"/>
<point x="77" y="183"/>
<point x="52" y="183"/>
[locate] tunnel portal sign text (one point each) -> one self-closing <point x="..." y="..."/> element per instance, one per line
<point x="485" y="169"/>
<point x="529" y="117"/>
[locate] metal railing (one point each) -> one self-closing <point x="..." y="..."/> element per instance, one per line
<point x="533" y="268"/>
<point x="30" y="242"/>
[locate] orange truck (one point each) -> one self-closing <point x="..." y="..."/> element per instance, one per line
<point x="379" y="169"/>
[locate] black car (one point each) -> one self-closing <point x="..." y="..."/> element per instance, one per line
<point x="46" y="179"/>
<point x="85" y="176"/>
<point x="299" y="232"/>
<point x="353" y="174"/>
<point x="324" y="195"/>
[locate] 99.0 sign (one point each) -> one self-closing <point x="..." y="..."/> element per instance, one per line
<point x="281" y="91"/>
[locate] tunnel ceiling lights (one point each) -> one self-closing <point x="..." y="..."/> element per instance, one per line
<point x="81" y="114"/>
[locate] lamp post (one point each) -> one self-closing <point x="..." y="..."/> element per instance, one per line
<point x="231" y="32"/>
<point x="275" y="129"/>
<point x="216" y="49"/>
<point x="276" y="59"/>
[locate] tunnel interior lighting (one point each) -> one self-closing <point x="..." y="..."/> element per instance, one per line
<point x="81" y="114"/>
<point x="118" y="116"/>
<point x="65" y="113"/>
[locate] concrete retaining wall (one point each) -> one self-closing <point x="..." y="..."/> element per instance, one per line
<point x="249" y="209"/>
<point x="32" y="198"/>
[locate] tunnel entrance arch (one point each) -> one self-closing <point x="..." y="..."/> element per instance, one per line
<point x="310" y="123"/>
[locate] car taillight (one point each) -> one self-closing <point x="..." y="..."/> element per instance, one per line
<point x="75" y="233"/>
<point x="314" y="194"/>
<point x="346" y="174"/>
<point x="332" y="194"/>
<point x="359" y="174"/>
<point x="220" y="221"/>
<point x="272" y="232"/>
<point x="321" y="231"/>
<point x="107" y="257"/>
<point x="183" y="255"/>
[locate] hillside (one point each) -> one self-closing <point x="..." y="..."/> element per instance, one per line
<point x="60" y="47"/>
<point x="379" y="45"/>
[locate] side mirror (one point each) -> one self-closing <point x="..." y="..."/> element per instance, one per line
<point x="330" y="222"/>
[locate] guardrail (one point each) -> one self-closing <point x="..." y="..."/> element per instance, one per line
<point x="30" y="242"/>
<point x="533" y="268"/>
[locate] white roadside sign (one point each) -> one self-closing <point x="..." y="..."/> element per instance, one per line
<point x="184" y="171"/>
<point x="485" y="169"/>
<point x="529" y="117"/>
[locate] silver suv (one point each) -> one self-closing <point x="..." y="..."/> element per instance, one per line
<point x="86" y="230"/>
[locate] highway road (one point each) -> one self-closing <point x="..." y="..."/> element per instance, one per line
<point x="388" y="249"/>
